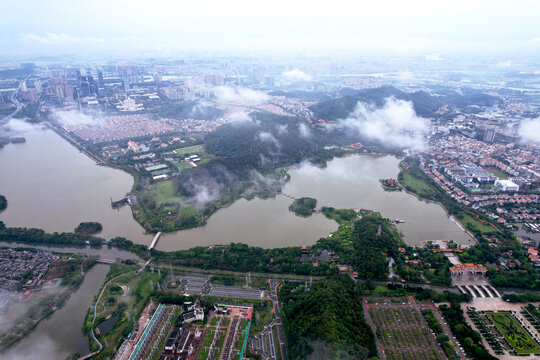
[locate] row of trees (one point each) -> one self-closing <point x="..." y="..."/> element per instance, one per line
<point x="233" y="257"/>
<point x="470" y="340"/>
<point x="40" y="237"/>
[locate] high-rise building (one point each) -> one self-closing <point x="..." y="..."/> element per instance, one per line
<point x="37" y="85"/>
<point x="489" y="135"/>
<point x="91" y="84"/>
<point x="125" y="80"/>
<point x="269" y="81"/>
<point x="101" y="83"/>
<point x="23" y="86"/>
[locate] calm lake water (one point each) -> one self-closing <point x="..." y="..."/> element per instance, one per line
<point x="51" y="185"/>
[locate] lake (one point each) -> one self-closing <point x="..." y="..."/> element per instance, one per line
<point x="49" y="184"/>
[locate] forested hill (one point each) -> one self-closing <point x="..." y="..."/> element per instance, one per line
<point x="327" y="319"/>
<point x="424" y="104"/>
<point x="247" y="153"/>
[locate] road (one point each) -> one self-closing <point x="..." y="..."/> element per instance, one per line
<point x="94" y="318"/>
<point x="13" y="99"/>
<point x="448" y="331"/>
<point x="281" y="335"/>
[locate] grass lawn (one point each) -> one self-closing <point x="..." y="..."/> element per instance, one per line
<point x="513" y="332"/>
<point x="189" y="149"/>
<point x="498" y="173"/>
<point x="420" y="187"/>
<point x="165" y="192"/>
<point x="261" y="318"/>
<point x="183" y="165"/>
<point x="469" y="220"/>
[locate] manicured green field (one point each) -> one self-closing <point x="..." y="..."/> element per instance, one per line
<point x="419" y="186"/>
<point x="513" y="332"/>
<point x="183" y="165"/>
<point x="469" y="220"/>
<point x="165" y="193"/>
<point x="189" y="149"/>
<point x="498" y="173"/>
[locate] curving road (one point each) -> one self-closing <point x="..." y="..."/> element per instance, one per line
<point x="94" y="318"/>
<point x="14" y="100"/>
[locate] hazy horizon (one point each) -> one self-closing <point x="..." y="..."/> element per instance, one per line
<point x="413" y="28"/>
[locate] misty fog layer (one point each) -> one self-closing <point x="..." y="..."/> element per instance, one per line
<point x="240" y="95"/>
<point x="395" y="124"/>
<point x="529" y="130"/>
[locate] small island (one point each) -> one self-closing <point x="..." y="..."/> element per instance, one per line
<point x="3" y="203"/>
<point x="390" y="185"/>
<point x="304" y="206"/>
<point x="88" y="228"/>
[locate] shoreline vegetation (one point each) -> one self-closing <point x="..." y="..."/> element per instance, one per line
<point x="3" y="203"/>
<point x="88" y="228"/>
<point x="303" y="207"/>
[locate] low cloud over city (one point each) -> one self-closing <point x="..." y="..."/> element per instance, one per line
<point x="529" y="130"/>
<point x="395" y="124"/>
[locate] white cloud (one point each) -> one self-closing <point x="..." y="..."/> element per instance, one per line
<point x="296" y="74"/>
<point x="529" y="130"/>
<point x="240" y="95"/>
<point x="305" y="131"/>
<point x="269" y="138"/>
<point x="18" y="127"/>
<point x="504" y="64"/>
<point x="282" y="129"/>
<point x="206" y="194"/>
<point x="433" y="57"/>
<point x="74" y="118"/>
<point x="242" y="117"/>
<point x="406" y="75"/>
<point x="41" y="344"/>
<point x="394" y="124"/>
<point x="52" y="38"/>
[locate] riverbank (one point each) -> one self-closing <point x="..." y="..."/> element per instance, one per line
<point x="42" y="303"/>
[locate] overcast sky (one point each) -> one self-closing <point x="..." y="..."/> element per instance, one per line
<point x="406" y="26"/>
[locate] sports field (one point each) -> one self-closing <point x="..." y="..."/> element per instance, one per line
<point x="189" y="149"/>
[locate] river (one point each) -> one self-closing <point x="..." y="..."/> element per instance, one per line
<point x="51" y="185"/>
<point x="60" y="335"/>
